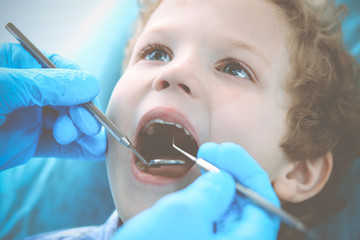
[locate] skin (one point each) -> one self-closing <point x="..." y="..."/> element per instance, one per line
<point x="193" y="79"/>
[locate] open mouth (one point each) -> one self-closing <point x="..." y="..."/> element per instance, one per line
<point x="154" y="141"/>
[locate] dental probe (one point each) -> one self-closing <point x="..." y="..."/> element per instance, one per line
<point x="254" y="197"/>
<point x="89" y="106"/>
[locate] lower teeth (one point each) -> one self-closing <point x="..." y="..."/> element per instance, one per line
<point x="150" y="130"/>
<point x="140" y="165"/>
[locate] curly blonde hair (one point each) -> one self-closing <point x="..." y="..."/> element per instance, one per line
<point x="324" y="114"/>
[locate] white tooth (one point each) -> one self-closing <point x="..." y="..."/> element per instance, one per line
<point x="159" y="121"/>
<point x="187" y="132"/>
<point x="140" y="165"/>
<point x="150" y="129"/>
<point x="169" y="123"/>
<point x="178" y="125"/>
<point x="149" y="123"/>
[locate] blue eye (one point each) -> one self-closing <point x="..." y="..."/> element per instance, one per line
<point x="236" y="69"/>
<point x="156" y="52"/>
<point x="158" y="55"/>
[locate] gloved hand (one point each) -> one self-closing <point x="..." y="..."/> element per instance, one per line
<point x="209" y="208"/>
<point x="39" y="112"/>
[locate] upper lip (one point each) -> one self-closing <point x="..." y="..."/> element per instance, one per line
<point x="166" y="114"/>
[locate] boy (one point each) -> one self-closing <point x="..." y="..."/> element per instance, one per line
<point x="270" y="76"/>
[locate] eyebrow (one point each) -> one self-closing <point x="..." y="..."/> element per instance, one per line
<point x="243" y="45"/>
<point x="232" y="42"/>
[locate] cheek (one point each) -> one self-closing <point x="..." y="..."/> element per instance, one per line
<point x="122" y="91"/>
<point x="255" y="125"/>
<point x="129" y="82"/>
<point x="131" y="88"/>
<point x="118" y="172"/>
<point x="120" y="109"/>
<point x="117" y="162"/>
<point x="116" y="100"/>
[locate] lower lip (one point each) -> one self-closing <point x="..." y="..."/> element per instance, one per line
<point x="152" y="179"/>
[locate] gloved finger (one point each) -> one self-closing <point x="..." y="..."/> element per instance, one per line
<point x="47" y="147"/>
<point x="211" y="149"/>
<point x="13" y="55"/>
<point x="49" y="116"/>
<point x="61" y="62"/>
<point x="235" y="160"/>
<point x="95" y="145"/>
<point x="57" y="87"/>
<point x="84" y="120"/>
<point x="64" y="129"/>
<point x="19" y="137"/>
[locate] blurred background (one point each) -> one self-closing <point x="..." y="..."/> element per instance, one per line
<point x="40" y="19"/>
<point x="53" y="194"/>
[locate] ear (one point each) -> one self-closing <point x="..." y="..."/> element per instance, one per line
<point x="300" y="180"/>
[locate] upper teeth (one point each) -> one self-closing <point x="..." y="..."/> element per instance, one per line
<point x="150" y="129"/>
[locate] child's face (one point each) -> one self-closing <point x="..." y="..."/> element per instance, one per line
<point x="218" y="68"/>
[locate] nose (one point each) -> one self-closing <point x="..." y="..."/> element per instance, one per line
<point x="177" y="76"/>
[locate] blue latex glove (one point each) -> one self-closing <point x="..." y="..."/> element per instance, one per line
<point x="39" y="112"/>
<point x="192" y="212"/>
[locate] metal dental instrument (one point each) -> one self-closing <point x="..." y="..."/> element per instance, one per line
<point x="166" y="162"/>
<point x="254" y="197"/>
<point x="89" y="106"/>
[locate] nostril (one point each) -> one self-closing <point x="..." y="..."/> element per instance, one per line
<point x="185" y="88"/>
<point x="165" y="84"/>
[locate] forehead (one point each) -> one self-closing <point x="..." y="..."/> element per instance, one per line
<point x="257" y="23"/>
<point x="221" y="13"/>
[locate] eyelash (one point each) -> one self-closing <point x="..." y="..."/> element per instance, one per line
<point x="228" y="60"/>
<point x="152" y="47"/>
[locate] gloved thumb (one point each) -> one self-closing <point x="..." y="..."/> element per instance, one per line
<point x="241" y="165"/>
<point x="56" y="87"/>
